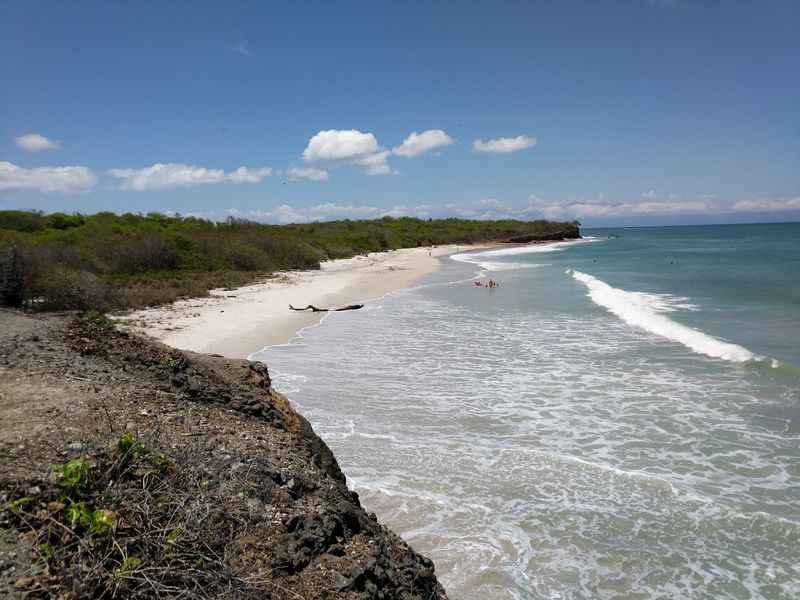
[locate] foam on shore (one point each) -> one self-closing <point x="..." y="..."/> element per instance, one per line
<point x="480" y="258"/>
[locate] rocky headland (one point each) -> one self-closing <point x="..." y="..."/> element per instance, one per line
<point x="133" y="470"/>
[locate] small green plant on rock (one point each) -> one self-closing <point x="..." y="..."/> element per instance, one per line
<point x="45" y="551"/>
<point x="18" y="505"/>
<point x="128" y="566"/>
<point x="174" y="535"/>
<point x="128" y="444"/>
<point x="162" y="463"/>
<point x="80" y="516"/>
<point x="73" y="476"/>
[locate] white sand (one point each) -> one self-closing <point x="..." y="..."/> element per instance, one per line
<point x="242" y="321"/>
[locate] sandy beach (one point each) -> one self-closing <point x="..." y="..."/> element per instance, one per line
<point x="237" y="323"/>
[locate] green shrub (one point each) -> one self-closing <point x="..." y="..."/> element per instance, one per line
<point x="73" y="476"/>
<point x="128" y="443"/>
<point x="80" y="516"/>
<point x="73" y="289"/>
<point x="107" y="261"/>
<point x="128" y="566"/>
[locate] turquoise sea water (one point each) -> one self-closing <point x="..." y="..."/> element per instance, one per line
<point x="620" y="419"/>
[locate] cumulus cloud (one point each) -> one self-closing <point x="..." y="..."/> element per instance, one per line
<point x="375" y="164"/>
<point x="46" y="179"/>
<point x="504" y="145"/>
<point x="336" y="147"/>
<point x="245" y="175"/>
<point x="310" y="173"/>
<point x="171" y="175"/>
<point x="336" y="144"/>
<point x="33" y="142"/>
<point x="767" y="204"/>
<point x="419" y="143"/>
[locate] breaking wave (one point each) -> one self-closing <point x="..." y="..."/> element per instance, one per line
<point x="479" y="258"/>
<point x="646" y="311"/>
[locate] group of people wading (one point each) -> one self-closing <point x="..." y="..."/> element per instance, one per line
<point x="489" y="284"/>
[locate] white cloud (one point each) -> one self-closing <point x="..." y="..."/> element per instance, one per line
<point x="335" y="144"/>
<point x="33" y="142"/>
<point x="650" y="204"/>
<point x="328" y="211"/>
<point x="171" y="175"/>
<point x="419" y="143"/>
<point x="46" y="179"/>
<point x="768" y="204"/>
<point x="586" y="209"/>
<point x="504" y="145"/>
<point x="245" y="175"/>
<point x="489" y="203"/>
<point x="375" y="164"/>
<point x="310" y="173"/>
<point x="484" y="209"/>
<point x="280" y="214"/>
<point x="336" y="147"/>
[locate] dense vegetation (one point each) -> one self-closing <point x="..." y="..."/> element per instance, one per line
<point x="108" y="261"/>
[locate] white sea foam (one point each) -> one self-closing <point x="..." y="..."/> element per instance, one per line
<point x="590" y="445"/>
<point x="479" y="258"/>
<point x="487" y="265"/>
<point x="645" y="311"/>
<point x="540" y="248"/>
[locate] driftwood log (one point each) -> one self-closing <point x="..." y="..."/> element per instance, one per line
<point x="313" y="308"/>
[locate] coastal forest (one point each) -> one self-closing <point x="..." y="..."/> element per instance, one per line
<point x="108" y="261"/>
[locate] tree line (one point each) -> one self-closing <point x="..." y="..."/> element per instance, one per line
<point x="107" y="261"/>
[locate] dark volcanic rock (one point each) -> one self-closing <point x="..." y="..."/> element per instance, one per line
<point x="544" y="237"/>
<point x="234" y="496"/>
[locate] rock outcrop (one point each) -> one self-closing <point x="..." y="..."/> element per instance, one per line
<point x="133" y="470"/>
<point x="570" y="234"/>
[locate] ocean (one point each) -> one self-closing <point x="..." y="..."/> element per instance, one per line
<point x="619" y="419"/>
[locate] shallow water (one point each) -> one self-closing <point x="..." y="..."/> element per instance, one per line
<point x="618" y="420"/>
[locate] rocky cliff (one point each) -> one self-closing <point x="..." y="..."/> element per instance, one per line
<point x="566" y="234"/>
<point x="133" y="470"/>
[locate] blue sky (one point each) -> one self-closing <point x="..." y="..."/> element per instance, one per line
<point x="639" y="112"/>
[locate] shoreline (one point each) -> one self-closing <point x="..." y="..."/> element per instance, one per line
<point x="240" y="322"/>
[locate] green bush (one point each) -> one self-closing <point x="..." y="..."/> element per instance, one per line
<point x="107" y="261"/>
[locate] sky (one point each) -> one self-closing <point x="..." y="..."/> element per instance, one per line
<point x="639" y="112"/>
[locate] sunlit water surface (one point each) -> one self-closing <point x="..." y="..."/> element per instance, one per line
<point x="618" y="420"/>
